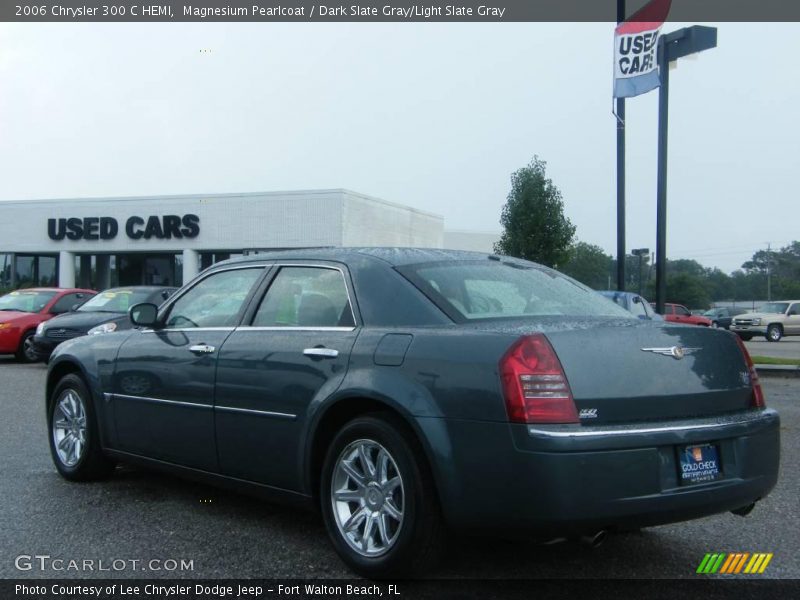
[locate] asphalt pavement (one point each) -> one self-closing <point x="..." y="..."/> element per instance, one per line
<point x="786" y="348"/>
<point x="140" y="516"/>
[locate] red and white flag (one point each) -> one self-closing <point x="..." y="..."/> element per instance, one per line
<point x="635" y="47"/>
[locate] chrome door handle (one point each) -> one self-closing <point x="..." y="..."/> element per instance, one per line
<point x="321" y="352"/>
<point x="202" y="349"/>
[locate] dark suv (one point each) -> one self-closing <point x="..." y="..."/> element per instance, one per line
<point x="723" y="315"/>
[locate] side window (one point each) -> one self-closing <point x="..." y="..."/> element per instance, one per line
<point x="305" y="297"/>
<point x="682" y="311"/>
<point x="66" y="302"/>
<point x="215" y="301"/>
<point x="795" y="309"/>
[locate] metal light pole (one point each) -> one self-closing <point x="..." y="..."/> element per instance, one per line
<point x="620" y="174"/>
<point x="671" y="47"/>
<point x="640" y="252"/>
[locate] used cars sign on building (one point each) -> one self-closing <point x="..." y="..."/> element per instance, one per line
<point x="106" y="228"/>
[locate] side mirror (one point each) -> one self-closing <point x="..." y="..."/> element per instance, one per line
<point x="636" y="300"/>
<point x="144" y="314"/>
<point x="75" y="307"/>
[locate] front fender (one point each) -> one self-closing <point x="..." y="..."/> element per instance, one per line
<point x="93" y="357"/>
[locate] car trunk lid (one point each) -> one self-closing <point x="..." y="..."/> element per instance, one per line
<point x="629" y="371"/>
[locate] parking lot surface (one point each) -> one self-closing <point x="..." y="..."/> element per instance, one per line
<point x="140" y="516"/>
<point x="786" y="348"/>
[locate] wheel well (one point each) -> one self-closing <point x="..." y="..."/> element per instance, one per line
<point x="59" y="371"/>
<point x="778" y="325"/>
<point x="333" y="420"/>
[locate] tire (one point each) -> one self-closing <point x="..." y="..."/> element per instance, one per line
<point x="71" y="417"/>
<point x="774" y="333"/>
<point x="395" y="547"/>
<point x="745" y="336"/>
<point x="26" y="352"/>
<point x="714" y="325"/>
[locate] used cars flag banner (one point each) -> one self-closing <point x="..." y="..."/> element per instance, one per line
<point x="635" y="45"/>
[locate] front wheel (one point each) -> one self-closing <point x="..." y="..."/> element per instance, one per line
<point x="378" y="499"/>
<point x="74" y="439"/>
<point x="774" y="333"/>
<point x="26" y="352"/>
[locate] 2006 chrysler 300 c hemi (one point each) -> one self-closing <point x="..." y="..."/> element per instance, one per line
<point x="405" y="392"/>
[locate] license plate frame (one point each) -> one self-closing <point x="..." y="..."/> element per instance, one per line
<point x="699" y="463"/>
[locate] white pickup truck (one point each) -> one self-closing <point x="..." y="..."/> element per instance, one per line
<point x="773" y="320"/>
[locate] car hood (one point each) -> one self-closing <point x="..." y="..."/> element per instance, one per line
<point x="757" y="315"/>
<point x="83" y="320"/>
<point x="7" y="316"/>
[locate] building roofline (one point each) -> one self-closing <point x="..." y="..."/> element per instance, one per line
<point x="214" y="195"/>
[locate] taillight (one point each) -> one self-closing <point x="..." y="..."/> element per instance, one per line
<point x="757" y="400"/>
<point x="534" y="385"/>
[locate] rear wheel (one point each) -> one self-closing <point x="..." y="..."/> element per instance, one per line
<point x="74" y="439"/>
<point x="774" y="333"/>
<point x="378" y="499"/>
<point x="26" y="352"/>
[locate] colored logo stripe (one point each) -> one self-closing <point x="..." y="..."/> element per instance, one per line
<point x="730" y="564"/>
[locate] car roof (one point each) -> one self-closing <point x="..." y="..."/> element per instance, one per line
<point x="394" y="256"/>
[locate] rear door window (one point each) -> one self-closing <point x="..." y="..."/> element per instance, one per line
<point x="306" y="297"/>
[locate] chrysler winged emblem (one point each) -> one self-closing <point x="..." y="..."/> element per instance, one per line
<point x="676" y="352"/>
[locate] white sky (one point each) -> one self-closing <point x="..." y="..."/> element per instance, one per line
<point x="435" y="116"/>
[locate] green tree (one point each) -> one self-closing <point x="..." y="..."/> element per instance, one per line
<point x="682" y="288"/>
<point x="534" y="225"/>
<point x="589" y="264"/>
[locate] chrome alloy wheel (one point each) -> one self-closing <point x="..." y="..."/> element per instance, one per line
<point x="367" y="497"/>
<point x="69" y="427"/>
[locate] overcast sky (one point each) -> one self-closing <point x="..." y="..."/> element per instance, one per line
<point x="435" y="116"/>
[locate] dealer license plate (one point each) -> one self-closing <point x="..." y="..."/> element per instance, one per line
<point x="699" y="464"/>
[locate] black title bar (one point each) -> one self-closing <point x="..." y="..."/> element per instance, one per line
<point x="382" y="10"/>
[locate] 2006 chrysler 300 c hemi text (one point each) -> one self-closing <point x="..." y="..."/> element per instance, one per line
<point x="405" y="392"/>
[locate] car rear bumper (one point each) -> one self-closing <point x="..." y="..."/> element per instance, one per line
<point x="522" y="480"/>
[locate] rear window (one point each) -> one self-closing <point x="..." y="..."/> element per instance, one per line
<point x="468" y="290"/>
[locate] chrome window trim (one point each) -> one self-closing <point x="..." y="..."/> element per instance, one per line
<point x="535" y="431"/>
<point x="281" y="265"/>
<point x="263" y="413"/>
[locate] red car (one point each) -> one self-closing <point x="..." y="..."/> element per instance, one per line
<point x="677" y="313"/>
<point x="22" y="311"/>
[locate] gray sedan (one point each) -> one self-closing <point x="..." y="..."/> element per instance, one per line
<point x="408" y="392"/>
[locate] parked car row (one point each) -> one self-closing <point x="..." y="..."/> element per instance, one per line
<point x="33" y="321"/>
<point x="773" y="320"/>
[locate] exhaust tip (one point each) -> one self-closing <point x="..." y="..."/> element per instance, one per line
<point x="744" y="510"/>
<point x="594" y="540"/>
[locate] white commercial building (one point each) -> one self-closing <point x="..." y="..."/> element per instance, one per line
<point x="166" y="240"/>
